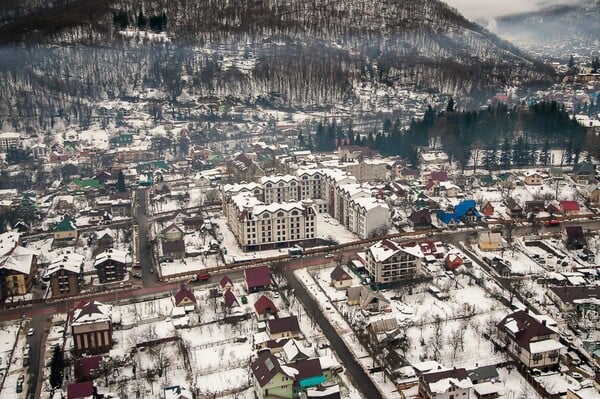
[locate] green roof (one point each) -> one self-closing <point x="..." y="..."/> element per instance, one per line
<point x="312" y="381"/>
<point x="67" y="224"/>
<point x="87" y="183"/>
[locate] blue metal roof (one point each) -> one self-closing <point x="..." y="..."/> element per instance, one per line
<point x="312" y="381"/>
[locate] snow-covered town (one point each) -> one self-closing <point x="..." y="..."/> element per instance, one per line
<point x="299" y="200"/>
<point x="282" y="273"/>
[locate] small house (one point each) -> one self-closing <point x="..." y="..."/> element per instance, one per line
<point x="447" y="383"/>
<point x="229" y="300"/>
<point x="533" y="178"/>
<point x="340" y="279"/>
<point x="489" y="241"/>
<point x="225" y="283"/>
<point x="265" y="307"/>
<point x="184" y="297"/>
<point x="257" y="278"/>
<point x="569" y="207"/>
<point x="487" y="209"/>
<point x="453" y="261"/>
<point x="285" y="327"/>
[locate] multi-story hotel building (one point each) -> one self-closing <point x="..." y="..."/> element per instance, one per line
<point x="387" y="262"/>
<point x="259" y="226"/>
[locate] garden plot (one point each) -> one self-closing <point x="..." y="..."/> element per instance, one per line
<point x="520" y="263"/>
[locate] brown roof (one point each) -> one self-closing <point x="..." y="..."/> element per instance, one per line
<point x="230" y="299"/>
<point x="306" y="368"/>
<point x="224" y="281"/>
<point x="169" y="227"/>
<point x="265" y="367"/>
<point x="258" y="276"/>
<point x="265" y="305"/>
<point x="527" y="328"/>
<point x="173" y="247"/>
<point x="283" y="324"/>
<point x="568" y="294"/>
<point x="183" y="294"/>
<point x="339" y="274"/>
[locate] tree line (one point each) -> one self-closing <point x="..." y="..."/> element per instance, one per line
<point x="495" y="137"/>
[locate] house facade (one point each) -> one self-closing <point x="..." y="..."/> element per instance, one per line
<point x="91" y="328"/>
<point x="529" y="340"/>
<point x="387" y="262"/>
<point x="66" y="275"/>
<point x="446" y="384"/>
<point x="111" y="265"/>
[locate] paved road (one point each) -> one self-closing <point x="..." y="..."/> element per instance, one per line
<point x="144" y="247"/>
<point x="358" y="375"/>
<point x="36" y="353"/>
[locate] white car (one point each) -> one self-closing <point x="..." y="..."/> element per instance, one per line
<point x="329" y="256"/>
<point x="30" y="332"/>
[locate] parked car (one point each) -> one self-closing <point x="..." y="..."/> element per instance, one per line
<point x="137" y="265"/>
<point x="329" y="256"/>
<point x="576" y="376"/>
<point x="30" y="332"/>
<point x="137" y="275"/>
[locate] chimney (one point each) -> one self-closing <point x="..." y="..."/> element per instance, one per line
<point x="543" y="322"/>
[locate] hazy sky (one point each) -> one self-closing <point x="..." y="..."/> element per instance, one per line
<point x="488" y="9"/>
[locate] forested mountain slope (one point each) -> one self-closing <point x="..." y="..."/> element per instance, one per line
<point x="300" y="53"/>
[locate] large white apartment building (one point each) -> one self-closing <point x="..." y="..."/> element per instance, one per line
<point x="387" y="262"/>
<point x="329" y="190"/>
<point x="258" y="226"/>
<point x="9" y="140"/>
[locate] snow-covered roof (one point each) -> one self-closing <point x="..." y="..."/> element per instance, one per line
<point x="91" y="312"/>
<point x="114" y="254"/>
<point x="8" y="241"/>
<point x="546" y="345"/>
<point x="70" y="262"/>
<point x="385" y="249"/>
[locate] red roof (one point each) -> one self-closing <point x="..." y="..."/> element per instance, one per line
<point x="258" y="277"/>
<point x="224" y="281"/>
<point x="230" y="299"/>
<point x="438" y="176"/>
<point x="183" y="294"/>
<point x="265" y="305"/>
<point x="80" y="390"/>
<point x="569" y="205"/>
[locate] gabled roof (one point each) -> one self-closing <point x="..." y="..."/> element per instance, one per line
<point x="230" y="299"/>
<point x="524" y="328"/>
<point x="258" y="276"/>
<point x="66" y="224"/>
<point x="284" y="324"/>
<point x="183" y="294"/>
<point x="339" y="274"/>
<point x="574" y="231"/>
<point x="265" y="305"/>
<point x="266" y="367"/>
<point x="225" y="280"/>
<point x="568" y="294"/>
<point x="441" y="381"/>
<point x="171" y="227"/>
<point x="307" y="368"/>
<point x="569" y="205"/>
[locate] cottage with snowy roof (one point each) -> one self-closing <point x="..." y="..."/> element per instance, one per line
<point x="532" y="178"/>
<point x="530" y="340"/>
<point x="445" y="384"/>
<point x="17" y="268"/>
<point x="65" y="231"/>
<point x="91" y="328"/>
<point x="489" y="241"/>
